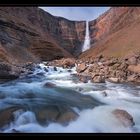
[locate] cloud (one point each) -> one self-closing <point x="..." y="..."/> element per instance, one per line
<point x="76" y="13"/>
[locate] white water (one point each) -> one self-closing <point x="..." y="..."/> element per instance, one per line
<point x="86" y="45"/>
<point x="98" y="119"/>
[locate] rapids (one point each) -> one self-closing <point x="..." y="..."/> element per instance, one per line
<point x="86" y="99"/>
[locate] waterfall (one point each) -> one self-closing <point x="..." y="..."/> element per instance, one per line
<point x="86" y="45"/>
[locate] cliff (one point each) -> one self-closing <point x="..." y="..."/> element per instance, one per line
<point x="31" y="34"/>
<point x="115" y="33"/>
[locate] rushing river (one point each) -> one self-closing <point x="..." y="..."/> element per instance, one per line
<point x="86" y="99"/>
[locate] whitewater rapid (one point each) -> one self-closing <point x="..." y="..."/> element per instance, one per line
<point x="91" y="120"/>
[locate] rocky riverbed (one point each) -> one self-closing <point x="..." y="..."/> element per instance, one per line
<point x="50" y="97"/>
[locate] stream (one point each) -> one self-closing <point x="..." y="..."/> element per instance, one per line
<point x="91" y="101"/>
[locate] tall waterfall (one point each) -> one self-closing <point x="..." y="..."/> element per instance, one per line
<point x="86" y="45"/>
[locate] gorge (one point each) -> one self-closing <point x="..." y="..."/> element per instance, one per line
<point x="59" y="75"/>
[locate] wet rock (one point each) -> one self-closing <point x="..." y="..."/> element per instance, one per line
<point x="98" y="79"/>
<point x="67" y="116"/>
<point x="49" y="85"/>
<point x="62" y="115"/>
<point x="84" y="78"/>
<point x="45" y="69"/>
<point x="47" y="114"/>
<point x="40" y="74"/>
<point x="55" y="69"/>
<point x="7" y="72"/>
<point x="124" y="117"/>
<point x="80" y="68"/>
<point x="6" y="115"/>
<point x="104" y="94"/>
<point x="69" y="70"/>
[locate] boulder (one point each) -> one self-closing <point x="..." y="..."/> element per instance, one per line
<point x="48" y="114"/>
<point x="98" y="79"/>
<point x="131" y="78"/>
<point x="84" y="79"/>
<point x="124" y="117"/>
<point x="81" y="68"/>
<point x="9" y="72"/>
<point x="67" y="116"/>
<point x="68" y="63"/>
<point x="52" y="113"/>
<point x="6" y="115"/>
<point x="45" y="69"/>
<point x="132" y="61"/>
<point x="49" y="85"/>
<point x="134" y="68"/>
<point x="114" y="80"/>
<point x="55" y="69"/>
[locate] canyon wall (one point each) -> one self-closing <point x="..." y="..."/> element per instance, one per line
<point x="115" y="33"/>
<point x="31" y="34"/>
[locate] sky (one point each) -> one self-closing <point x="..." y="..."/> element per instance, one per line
<point x="76" y="13"/>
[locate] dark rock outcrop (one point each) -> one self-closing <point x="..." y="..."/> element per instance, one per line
<point x="124" y="117"/>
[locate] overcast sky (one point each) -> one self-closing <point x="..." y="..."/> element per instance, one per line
<point x="76" y="13"/>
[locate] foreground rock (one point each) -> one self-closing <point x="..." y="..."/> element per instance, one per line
<point x="7" y="72"/>
<point x="62" y="115"/>
<point x="6" y="115"/>
<point x="49" y="85"/>
<point x="124" y="117"/>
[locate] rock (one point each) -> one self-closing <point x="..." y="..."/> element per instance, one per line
<point x="68" y="63"/>
<point x="40" y="74"/>
<point x="84" y="79"/>
<point x="49" y="85"/>
<point x="6" y="115"/>
<point x="55" y="69"/>
<point x="45" y="69"/>
<point x="80" y="68"/>
<point x="134" y="68"/>
<point x="132" y="61"/>
<point x="124" y="117"/>
<point x="131" y="78"/>
<point x="98" y="79"/>
<point x="69" y="70"/>
<point x="66" y="117"/>
<point x="114" y="80"/>
<point x="104" y="94"/>
<point x="48" y="114"/>
<point x="62" y="115"/>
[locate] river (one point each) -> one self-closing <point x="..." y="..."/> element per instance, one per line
<point x="86" y="99"/>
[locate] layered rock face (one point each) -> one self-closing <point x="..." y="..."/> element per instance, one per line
<point x="115" y="33"/>
<point x="31" y="34"/>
